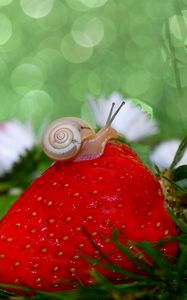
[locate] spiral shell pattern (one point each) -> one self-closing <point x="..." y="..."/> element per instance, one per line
<point x="61" y="137"/>
<point x="62" y="140"/>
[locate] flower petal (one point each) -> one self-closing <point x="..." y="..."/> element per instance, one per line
<point x="164" y="153"/>
<point x="131" y="122"/>
<point x="15" y="139"/>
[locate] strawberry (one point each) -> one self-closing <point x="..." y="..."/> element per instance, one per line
<point x="68" y="214"/>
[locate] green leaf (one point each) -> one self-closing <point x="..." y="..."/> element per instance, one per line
<point x="5" y="295"/>
<point x="182" y="263"/>
<point x="158" y="172"/>
<point x="154" y="253"/>
<point x="141" y="263"/>
<point x="179" y="173"/>
<point x="179" y="222"/>
<point x="144" y="106"/>
<point x="179" y="154"/>
<point x="177" y="187"/>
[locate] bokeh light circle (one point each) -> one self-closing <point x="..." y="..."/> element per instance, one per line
<point x="5" y="29"/>
<point x="110" y="79"/>
<point x="3" y="68"/>
<point x="26" y="77"/>
<point x="8" y="103"/>
<point x="35" y="105"/>
<point x="141" y="33"/>
<point x="37" y="8"/>
<point x="158" y="10"/>
<point x="37" y="62"/>
<point x="153" y="62"/>
<point x="51" y="62"/>
<point x="131" y="54"/>
<point x="76" y="5"/>
<point x="73" y="52"/>
<point x="13" y="42"/>
<point x="77" y="87"/>
<point x="5" y="2"/>
<point x="94" y="3"/>
<point x="110" y="33"/>
<point x="56" y="19"/>
<point x="94" y="84"/>
<point x="135" y="81"/>
<point x="50" y="42"/>
<point x="177" y="25"/>
<point x="88" y="31"/>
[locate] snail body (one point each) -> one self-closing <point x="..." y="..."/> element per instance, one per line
<point x="94" y="147"/>
<point x="74" y="139"/>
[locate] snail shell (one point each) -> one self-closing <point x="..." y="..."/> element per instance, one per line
<point x="63" y="138"/>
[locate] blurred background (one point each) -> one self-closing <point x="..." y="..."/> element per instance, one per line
<point x="54" y="54"/>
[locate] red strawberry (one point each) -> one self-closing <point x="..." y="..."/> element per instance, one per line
<point x="44" y="238"/>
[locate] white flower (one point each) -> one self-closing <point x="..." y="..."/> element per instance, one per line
<point x="131" y="122"/>
<point x="164" y="153"/>
<point x="15" y="139"/>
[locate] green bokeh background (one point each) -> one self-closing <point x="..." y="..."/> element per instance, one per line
<point x="54" y="54"/>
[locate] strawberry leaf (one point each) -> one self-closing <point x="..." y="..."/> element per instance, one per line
<point x="177" y="187"/>
<point x="182" y="263"/>
<point x="179" y="222"/>
<point x="155" y="254"/>
<point x="157" y="170"/>
<point x="179" y="173"/>
<point x="179" y="154"/>
<point x="5" y="295"/>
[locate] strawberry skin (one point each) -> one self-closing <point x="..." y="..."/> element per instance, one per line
<point x="46" y="235"/>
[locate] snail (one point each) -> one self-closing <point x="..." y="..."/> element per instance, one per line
<point x="72" y="138"/>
